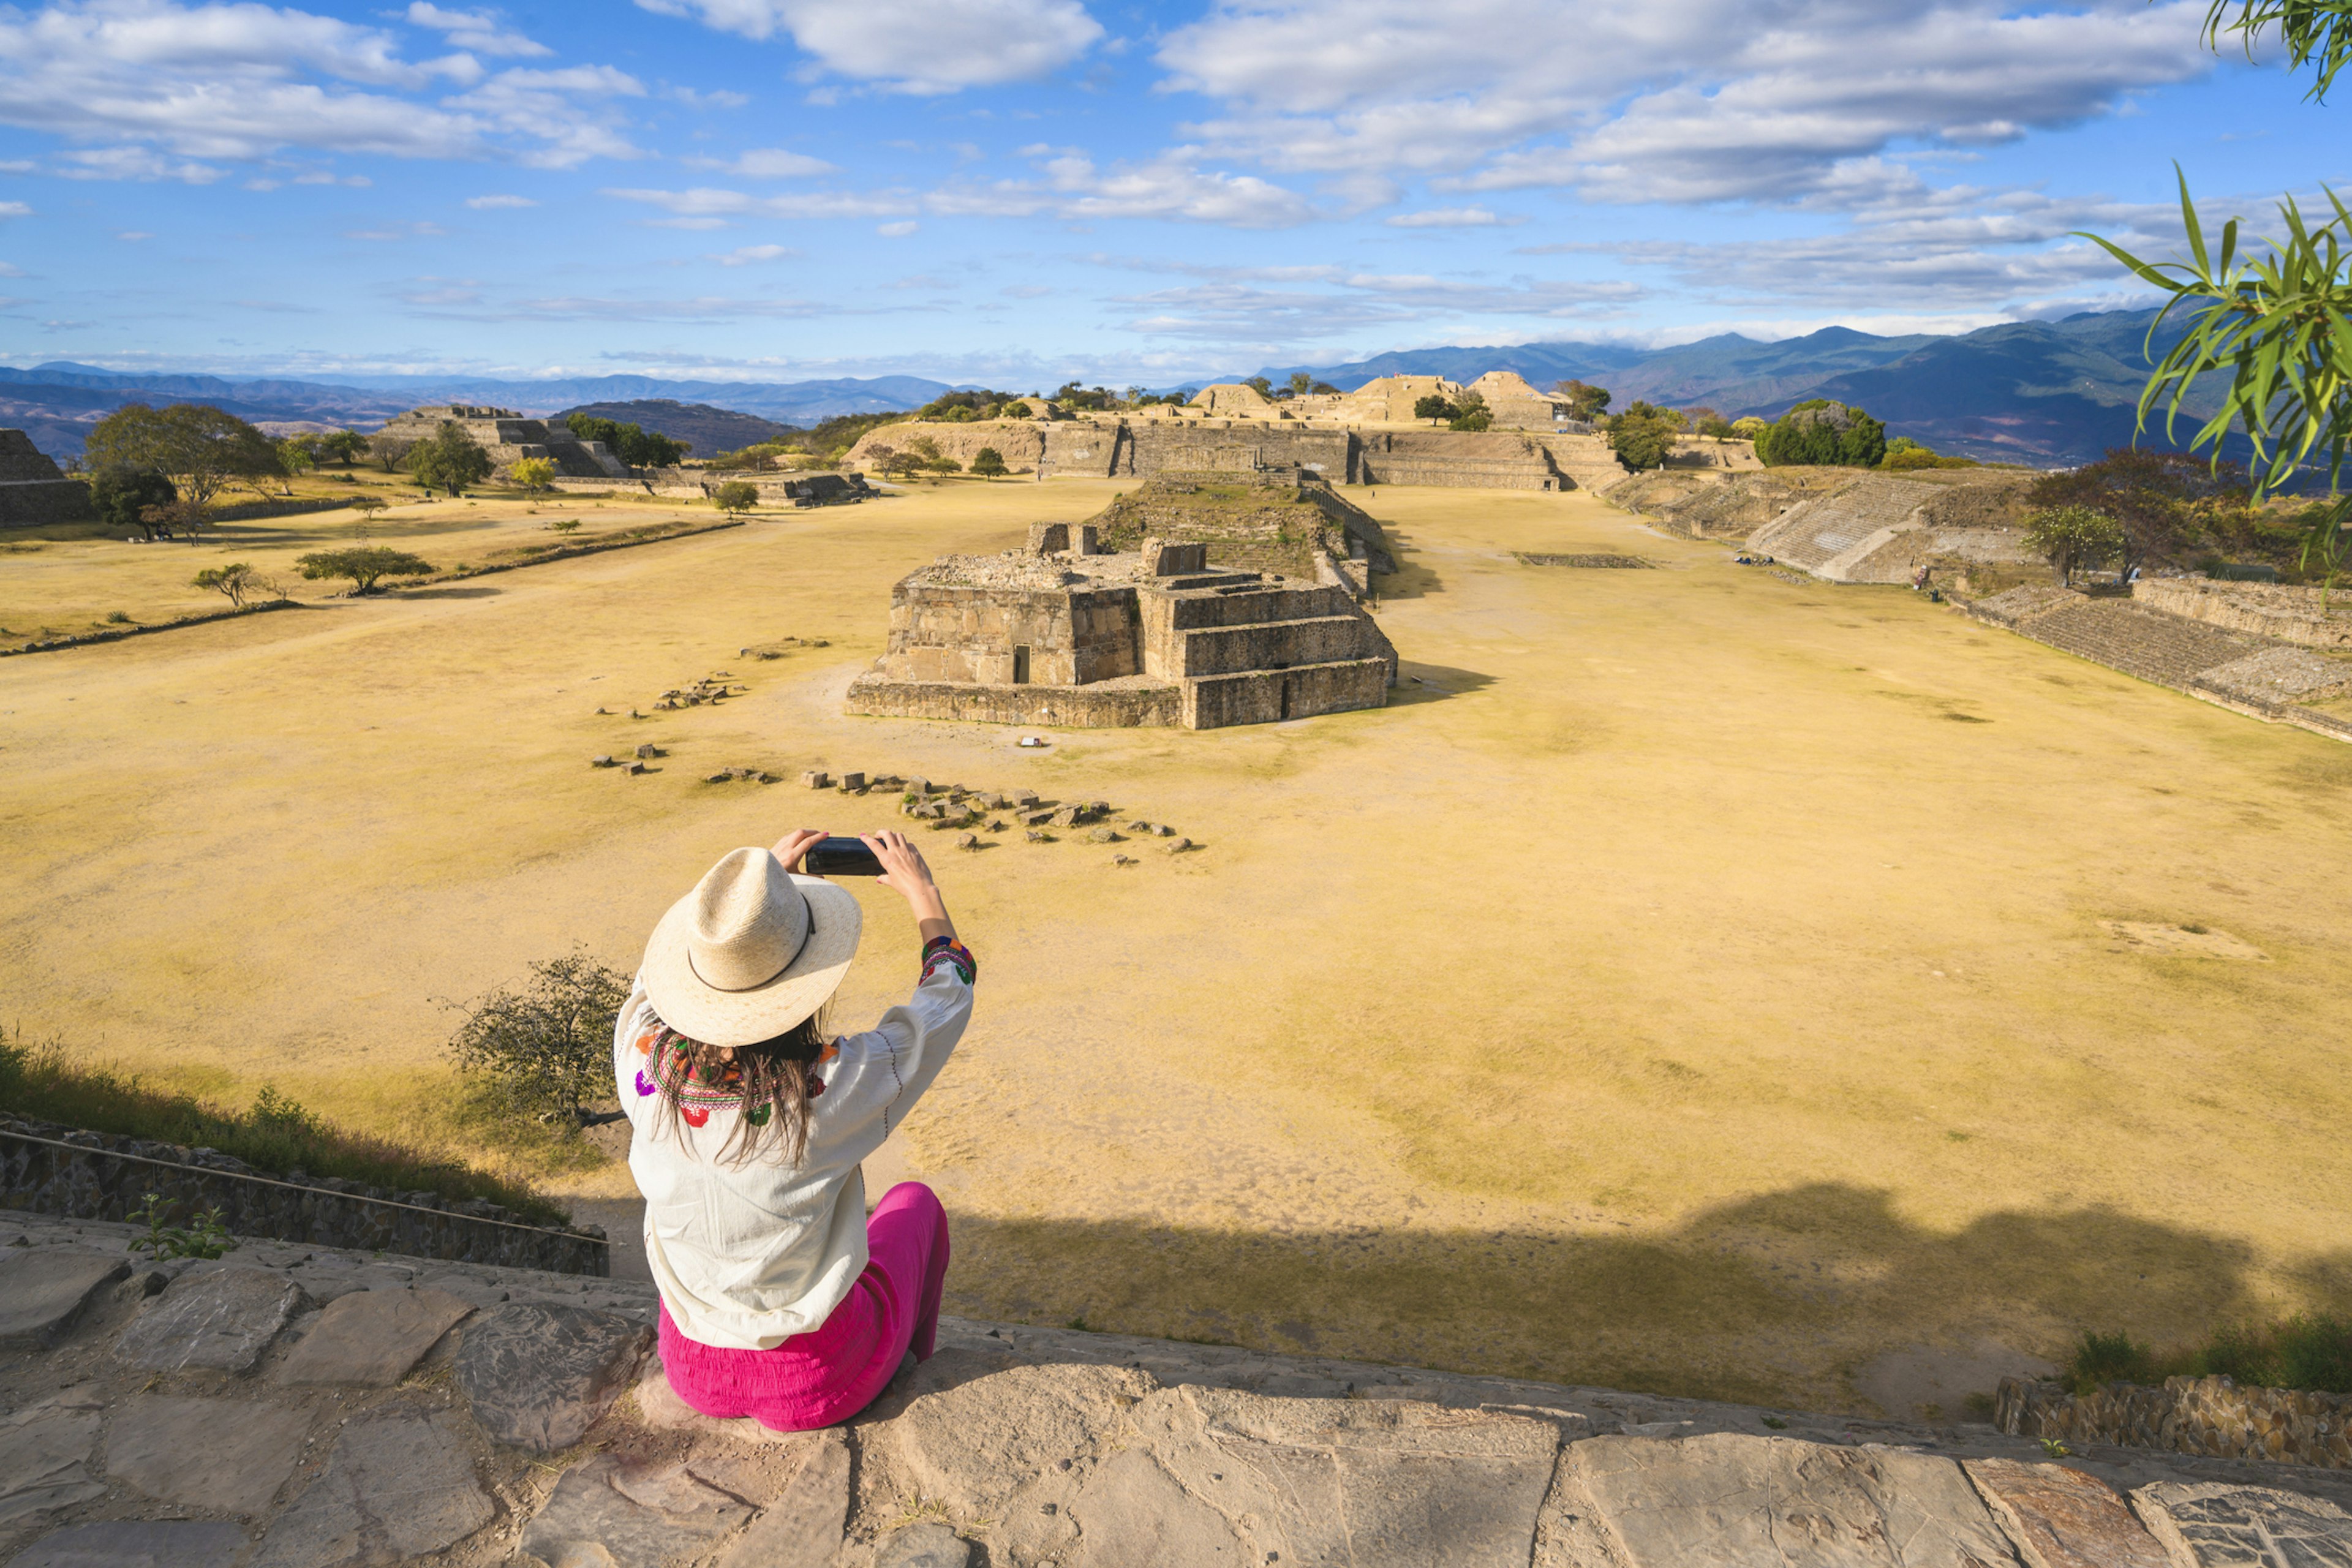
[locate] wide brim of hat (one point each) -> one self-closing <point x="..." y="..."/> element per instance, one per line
<point x="716" y="1017"/>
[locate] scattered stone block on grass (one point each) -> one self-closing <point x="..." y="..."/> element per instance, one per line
<point x="814" y="780"/>
<point x="924" y="1546"/>
<point x="44" y="1452"/>
<point x="398" y="1484"/>
<point x="230" y="1455"/>
<point x="2221" y="1524"/>
<point x="1178" y="845"/>
<point x="1103" y="836"/>
<point x="649" y="750"/>
<point x="43" y="1290"/>
<point x="136" y="1543"/>
<point x="852" y="781"/>
<point x="614" y="1514"/>
<point x="967" y="841"/>
<point x="220" y="1319"/>
<point x="1723" y="1501"/>
<point x="600" y="761"/>
<point x="539" y="1377"/>
<point x="372" y="1336"/>
<point x="2061" y="1517"/>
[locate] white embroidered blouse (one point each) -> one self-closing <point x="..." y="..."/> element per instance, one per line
<point x="748" y="1255"/>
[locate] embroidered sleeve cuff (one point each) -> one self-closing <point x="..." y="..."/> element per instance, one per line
<point x="946" y="950"/>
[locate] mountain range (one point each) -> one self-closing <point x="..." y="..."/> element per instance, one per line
<point x="2048" y="394"/>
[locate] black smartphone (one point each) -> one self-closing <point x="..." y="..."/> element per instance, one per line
<point x="840" y="857"/>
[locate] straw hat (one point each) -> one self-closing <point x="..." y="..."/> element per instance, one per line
<point x="751" y="951"/>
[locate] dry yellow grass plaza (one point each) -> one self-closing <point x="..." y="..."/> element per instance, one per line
<point x="1693" y="979"/>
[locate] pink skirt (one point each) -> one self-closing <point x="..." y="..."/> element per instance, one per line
<point x="832" y="1371"/>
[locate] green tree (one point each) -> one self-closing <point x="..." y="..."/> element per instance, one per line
<point x="543" y="1049"/>
<point x="2072" y="537"/>
<point x="367" y="506"/>
<point x="1584" y="401"/>
<point x="989" y="463"/>
<point x="1433" y="407"/>
<point x="2166" y="504"/>
<point x="1016" y="409"/>
<point x="1642" y="438"/>
<point x="201" y="450"/>
<point x="389" y="452"/>
<point x="1301" y="384"/>
<point x="736" y="495"/>
<point x="1471" y="413"/>
<point x="298" y="455"/>
<point x="451" y="459"/>
<point x="363" y="565"/>
<point x="124" y="496"/>
<point x="1264" y="388"/>
<point x="637" y="446"/>
<point x="944" y="466"/>
<point x="1325" y="389"/>
<point x="343" y="445"/>
<point x="1749" y="427"/>
<point x="233" y="581"/>
<point x="534" y="474"/>
<point x="1824" y="434"/>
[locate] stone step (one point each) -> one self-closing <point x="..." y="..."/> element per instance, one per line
<point x="537" y="1430"/>
<point x="1271" y="696"/>
<point x="1273" y="645"/>
<point x="2149" y="644"/>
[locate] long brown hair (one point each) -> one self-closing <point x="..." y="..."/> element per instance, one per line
<point x="772" y="1082"/>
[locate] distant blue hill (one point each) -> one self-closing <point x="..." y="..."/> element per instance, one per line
<point x="2051" y="394"/>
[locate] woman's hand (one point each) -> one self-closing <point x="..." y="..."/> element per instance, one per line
<point x="904" y="873"/>
<point x="794" y="844"/>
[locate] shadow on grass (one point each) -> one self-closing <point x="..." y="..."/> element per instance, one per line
<point x="1411" y="580"/>
<point x="1727" y="1306"/>
<point x="1418" y="683"/>
<point x="445" y="592"/>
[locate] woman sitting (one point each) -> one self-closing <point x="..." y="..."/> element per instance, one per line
<point x="782" y="1300"/>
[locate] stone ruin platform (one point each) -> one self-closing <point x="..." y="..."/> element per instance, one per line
<point x="293" y="1407"/>
<point x="33" y="491"/>
<point x="1063" y="634"/>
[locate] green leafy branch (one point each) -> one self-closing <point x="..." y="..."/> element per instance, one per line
<point x="207" y="1236"/>
<point x="2281" y="325"/>
<point x="2312" y="30"/>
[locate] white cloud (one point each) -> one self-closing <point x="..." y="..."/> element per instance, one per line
<point x="913" y="46"/>
<point x="494" y="203"/>
<point x="1451" y="218"/>
<point x="898" y="230"/>
<point x="397" y="231"/>
<point x="158" y="86"/>
<point x="766" y="164"/>
<point x="1232" y="308"/>
<point x="14" y="209"/>
<point x="475" y="30"/>
<point x="709" y="201"/>
<point x="1673" y="101"/>
<point x="1169" y="186"/>
<point x="745" y="256"/>
<point x="133" y="236"/>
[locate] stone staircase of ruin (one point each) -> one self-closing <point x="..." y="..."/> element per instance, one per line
<point x="2166" y="649"/>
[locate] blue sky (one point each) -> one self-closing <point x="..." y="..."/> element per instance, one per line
<point x="1013" y="191"/>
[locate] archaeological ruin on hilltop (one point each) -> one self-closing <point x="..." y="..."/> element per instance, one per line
<point x="509" y="438"/>
<point x="1210" y="599"/>
<point x="32" y="489"/>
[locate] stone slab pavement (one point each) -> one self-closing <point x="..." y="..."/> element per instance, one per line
<point x="293" y="1406"/>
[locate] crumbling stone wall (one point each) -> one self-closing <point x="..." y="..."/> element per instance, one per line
<point x="509" y="438"/>
<point x="969" y="632"/>
<point x="1490" y="459"/>
<point x="2289" y="614"/>
<point x="104" y="1176"/>
<point x="1880" y="529"/>
<point x="2214" y="1417"/>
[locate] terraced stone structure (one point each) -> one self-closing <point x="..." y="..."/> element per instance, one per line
<point x="32" y="489"/>
<point x="1064" y="633"/>
<point x="1880" y="529"/>
<point x="509" y="438"/>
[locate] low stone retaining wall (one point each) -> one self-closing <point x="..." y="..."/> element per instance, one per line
<point x="95" y="1175"/>
<point x="116" y="634"/>
<point x="1102" y="705"/>
<point x="2212" y="1416"/>
<point x="2289" y="614"/>
<point x="31" y="503"/>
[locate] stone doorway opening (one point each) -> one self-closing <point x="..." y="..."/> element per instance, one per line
<point x="1020" y="664"/>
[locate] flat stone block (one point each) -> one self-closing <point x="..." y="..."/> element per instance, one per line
<point x="539" y="1377"/>
<point x="372" y="1336"/>
<point x="2219" y="1524"/>
<point x="229" y="1455"/>
<point x="2061" y="1517"/>
<point x="924" y="1546"/>
<point x="44" y="1452"/>
<point x="44" y="1289"/>
<point x="221" y="1319"/>
<point x="398" y="1484"/>
<point x="805" y="1525"/>
<point x="135" y="1543"/>
<point x="610" y="1514"/>
<point x="1723" y="1501"/>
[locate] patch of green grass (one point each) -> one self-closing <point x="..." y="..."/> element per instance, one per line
<point x="44" y="1082"/>
<point x="2312" y="1351"/>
